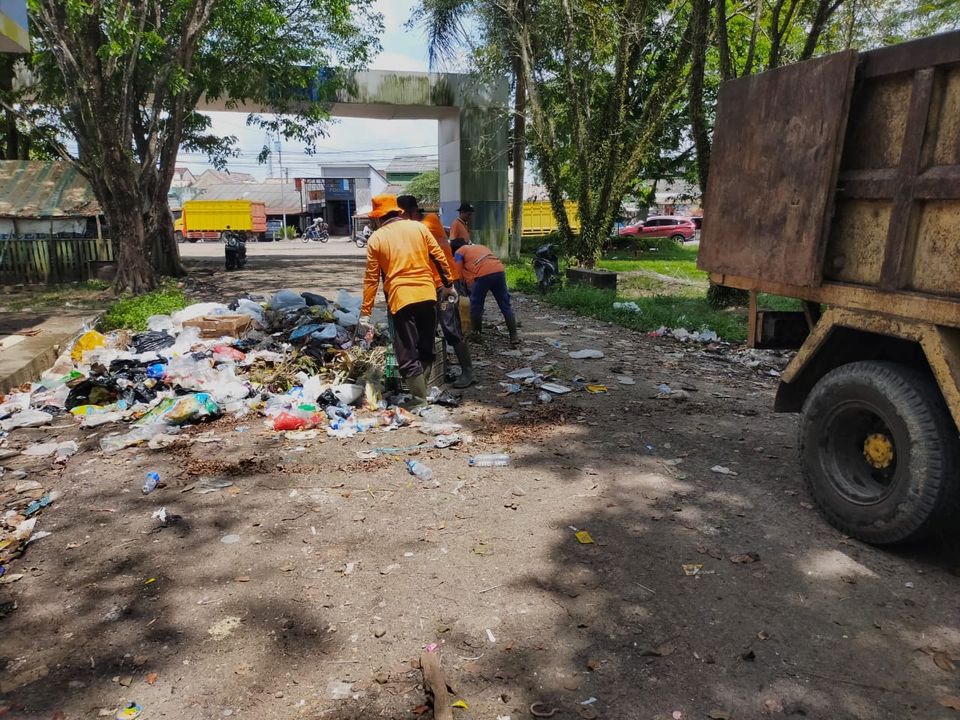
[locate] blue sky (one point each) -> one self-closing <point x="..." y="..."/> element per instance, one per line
<point x="374" y="141"/>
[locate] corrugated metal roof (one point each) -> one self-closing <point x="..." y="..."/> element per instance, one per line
<point x="268" y="193"/>
<point x="34" y="189"/>
<point x="413" y="164"/>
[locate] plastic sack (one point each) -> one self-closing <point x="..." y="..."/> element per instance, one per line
<point x="348" y="394"/>
<point x="347" y="318"/>
<point x="90" y="340"/>
<point x="304" y="330"/>
<point x="286" y="300"/>
<point x="183" y="409"/>
<point x="184" y="344"/>
<point x="286" y="421"/>
<point x="326" y="332"/>
<point x="349" y="302"/>
<point x="251" y="308"/>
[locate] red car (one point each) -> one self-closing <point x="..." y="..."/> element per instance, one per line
<point x="674" y="227"/>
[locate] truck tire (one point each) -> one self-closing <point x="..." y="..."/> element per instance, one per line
<point x="879" y="451"/>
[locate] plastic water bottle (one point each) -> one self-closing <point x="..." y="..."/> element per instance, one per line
<point x="419" y="470"/>
<point x="490" y="460"/>
<point x="150" y="484"/>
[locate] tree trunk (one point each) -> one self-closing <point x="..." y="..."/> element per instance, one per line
<point x="698" y="68"/>
<point x="519" y="159"/>
<point x="122" y="204"/>
<point x="164" y="250"/>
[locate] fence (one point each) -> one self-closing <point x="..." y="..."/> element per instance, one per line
<point x="53" y="259"/>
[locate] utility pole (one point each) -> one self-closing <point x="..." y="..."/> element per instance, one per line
<point x="283" y="179"/>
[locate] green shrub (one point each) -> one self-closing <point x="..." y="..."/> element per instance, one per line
<point x="132" y="312"/>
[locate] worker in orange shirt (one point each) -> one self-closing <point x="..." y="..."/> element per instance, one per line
<point x="460" y="227"/>
<point x="404" y="254"/>
<point x="483" y="273"/>
<point x="448" y="313"/>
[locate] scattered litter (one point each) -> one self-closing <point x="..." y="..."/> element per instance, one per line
<point x="490" y="636"/>
<point x="628" y="306"/>
<point x="160" y="515"/>
<point x="587" y="354"/>
<point x="419" y="470"/>
<point x="339" y="690"/>
<point x="583" y="537"/>
<point x="129" y="711"/>
<point x="230" y="539"/>
<point x="462" y="704"/>
<point x="151" y="482"/>
<point x="589" y="701"/>
<point x="555" y="388"/>
<point x="721" y="470"/>
<point x="490" y="460"/>
<point x="511" y="388"/>
<point x="626" y="380"/>
<point x="522" y="374"/>
<point x="691" y="569"/>
<point x="596" y="389"/>
<point x="445" y="441"/>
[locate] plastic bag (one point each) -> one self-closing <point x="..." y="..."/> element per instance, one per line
<point x="225" y="353"/>
<point x="314" y="299"/>
<point x="183" y="409"/>
<point x="90" y="340"/>
<point x="194" y="311"/>
<point x="304" y="330"/>
<point x="112" y="443"/>
<point x="326" y="332"/>
<point x="158" y="323"/>
<point x="347" y="394"/>
<point x="251" y="308"/>
<point x="26" y="418"/>
<point x="347" y="318"/>
<point x="151" y="341"/>
<point x="286" y="300"/>
<point x="349" y="302"/>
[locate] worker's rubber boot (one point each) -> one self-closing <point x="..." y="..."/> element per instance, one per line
<point x="466" y="366"/>
<point x="512" y="327"/>
<point x="418" y="388"/>
<point x="476" y="322"/>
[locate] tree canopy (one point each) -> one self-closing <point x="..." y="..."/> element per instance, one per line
<point x="115" y="86"/>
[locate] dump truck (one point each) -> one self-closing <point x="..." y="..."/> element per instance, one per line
<point x="538" y="218"/>
<point x="836" y="181"/>
<point x="207" y="219"/>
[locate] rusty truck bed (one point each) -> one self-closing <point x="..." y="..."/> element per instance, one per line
<point x="837" y="180"/>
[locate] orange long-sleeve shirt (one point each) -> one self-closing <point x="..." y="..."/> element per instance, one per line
<point x="475" y="261"/>
<point x="433" y="224"/>
<point x="459" y="229"/>
<point x="404" y="253"/>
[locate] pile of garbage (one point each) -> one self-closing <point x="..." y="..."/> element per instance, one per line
<point x="683" y="335"/>
<point x="24" y="500"/>
<point x="300" y="360"/>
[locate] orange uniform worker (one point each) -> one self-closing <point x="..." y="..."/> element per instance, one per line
<point x="403" y="253"/>
<point x="460" y="227"/>
<point x="483" y="273"/>
<point x="448" y="313"/>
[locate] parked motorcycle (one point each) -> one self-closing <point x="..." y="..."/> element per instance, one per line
<point x="364" y="237"/>
<point x="317" y="230"/>
<point x="546" y="267"/>
<point x="234" y="250"/>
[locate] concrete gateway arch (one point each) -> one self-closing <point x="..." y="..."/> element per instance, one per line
<point x="472" y="133"/>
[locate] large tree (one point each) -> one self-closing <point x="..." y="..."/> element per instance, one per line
<point x="121" y="79"/>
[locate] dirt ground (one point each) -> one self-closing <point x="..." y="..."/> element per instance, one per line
<point x="306" y="588"/>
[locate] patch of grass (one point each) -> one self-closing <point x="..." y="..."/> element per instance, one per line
<point x="132" y="312"/>
<point x="660" y="256"/>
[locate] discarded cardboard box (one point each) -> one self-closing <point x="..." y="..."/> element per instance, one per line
<point x="214" y="326"/>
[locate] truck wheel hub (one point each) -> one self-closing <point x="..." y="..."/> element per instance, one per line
<point x="878" y="450"/>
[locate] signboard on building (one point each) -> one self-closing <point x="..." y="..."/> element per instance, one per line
<point x="14" y="37"/>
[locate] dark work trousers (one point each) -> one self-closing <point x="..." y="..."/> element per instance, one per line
<point x="448" y="317"/>
<point x="495" y="283"/>
<point x="414" y="328"/>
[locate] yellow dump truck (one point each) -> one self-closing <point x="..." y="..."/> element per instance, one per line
<point x="538" y="218"/>
<point x="207" y="219"/>
<point x="837" y="181"/>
